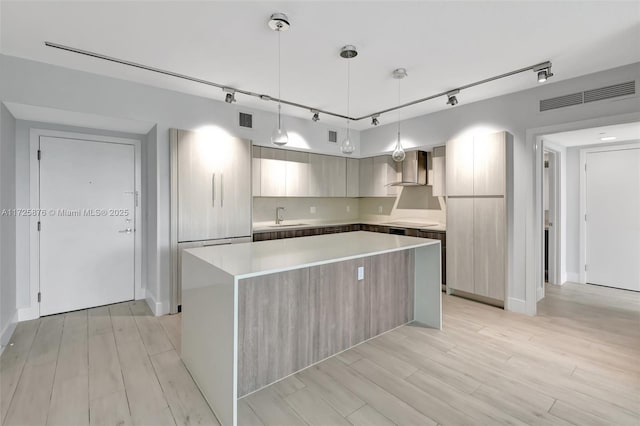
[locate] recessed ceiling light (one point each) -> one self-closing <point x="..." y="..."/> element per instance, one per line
<point x="608" y="138"/>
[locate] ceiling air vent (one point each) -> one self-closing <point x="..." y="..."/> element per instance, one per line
<point x="245" y="120"/>
<point x="333" y="136"/>
<point x="561" y="101"/>
<point x="609" y="92"/>
<point x="622" y="89"/>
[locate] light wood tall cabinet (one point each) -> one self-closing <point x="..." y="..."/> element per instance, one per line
<point x="212" y="187"/>
<point x="438" y="179"/>
<point x="477" y="220"/>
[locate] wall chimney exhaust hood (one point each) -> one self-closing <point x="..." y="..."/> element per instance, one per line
<point x="414" y="169"/>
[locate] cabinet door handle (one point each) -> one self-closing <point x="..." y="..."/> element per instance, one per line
<point x="213" y="189"/>
<point x="221" y="189"/>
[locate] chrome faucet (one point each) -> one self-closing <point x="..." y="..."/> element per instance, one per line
<point x="279" y="215"/>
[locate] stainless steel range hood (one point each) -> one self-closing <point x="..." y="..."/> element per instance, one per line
<point x="415" y="169"/>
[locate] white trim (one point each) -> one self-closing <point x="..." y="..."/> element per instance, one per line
<point x="539" y="294"/>
<point x="516" y="305"/>
<point x="583" y="199"/>
<point x="7" y="333"/>
<point x="33" y="310"/>
<point x="533" y="256"/>
<point x="158" y="308"/>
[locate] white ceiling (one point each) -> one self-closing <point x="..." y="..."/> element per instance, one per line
<point x="443" y="44"/>
<point x="592" y="136"/>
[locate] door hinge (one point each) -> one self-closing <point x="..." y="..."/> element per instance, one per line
<point x="39" y="297"/>
<point x="39" y="155"/>
<point x="39" y="226"/>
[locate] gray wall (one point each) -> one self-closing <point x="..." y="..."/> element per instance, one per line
<point x="516" y="113"/>
<point x="7" y="223"/>
<point x="34" y="83"/>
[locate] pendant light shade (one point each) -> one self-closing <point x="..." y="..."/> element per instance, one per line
<point x="398" y="154"/>
<point x="279" y="22"/>
<point x="348" y="52"/>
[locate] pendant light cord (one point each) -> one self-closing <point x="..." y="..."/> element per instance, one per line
<point x="279" y="80"/>
<point x="399" y="80"/>
<point x="348" y="95"/>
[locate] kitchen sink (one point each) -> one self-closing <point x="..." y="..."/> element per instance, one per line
<point x="282" y="225"/>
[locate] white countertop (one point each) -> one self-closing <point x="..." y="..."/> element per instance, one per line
<point x="259" y="258"/>
<point x="259" y="227"/>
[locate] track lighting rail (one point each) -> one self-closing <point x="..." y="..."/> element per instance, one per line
<point x="542" y="66"/>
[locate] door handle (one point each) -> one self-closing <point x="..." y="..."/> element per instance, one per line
<point x="213" y="190"/>
<point x="126" y="231"/>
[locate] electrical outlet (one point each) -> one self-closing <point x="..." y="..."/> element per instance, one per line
<point x="360" y="273"/>
<point x="379" y="209"/>
<point x="312" y="209"/>
<point x="348" y="209"/>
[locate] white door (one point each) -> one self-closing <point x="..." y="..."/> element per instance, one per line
<point x="613" y="218"/>
<point x="87" y="244"/>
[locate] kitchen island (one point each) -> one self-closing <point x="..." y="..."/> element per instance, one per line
<point x="255" y="313"/>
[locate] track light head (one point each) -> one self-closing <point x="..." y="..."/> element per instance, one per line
<point x="231" y="95"/>
<point x="374" y="120"/>
<point x="316" y="116"/>
<point x="544" y="71"/>
<point x="451" y="97"/>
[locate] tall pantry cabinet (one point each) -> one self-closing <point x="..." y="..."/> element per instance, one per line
<point x="477" y="221"/>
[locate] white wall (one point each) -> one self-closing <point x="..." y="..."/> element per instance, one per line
<point x="515" y="113"/>
<point x="43" y="85"/>
<point x="8" y="309"/>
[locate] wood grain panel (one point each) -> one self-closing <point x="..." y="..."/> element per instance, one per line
<point x="489" y="167"/>
<point x="273" y="173"/>
<point x="276" y="315"/>
<point x="391" y="298"/>
<point x="353" y="177"/>
<point x="459" y="166"/>
<point x="460" y="237"/>
<point x="489" y="247"/>
<point x="297" y="172"/>
<point x="342" y="306"/>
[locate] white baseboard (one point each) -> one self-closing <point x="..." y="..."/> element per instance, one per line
<point x="516" y="305"/>
<point x="539" y="293"/>
<point x="158" y="308"/>
<point x="6" y="334"/>
<point x="573" y="277"/>
<point x="28" y="313"/>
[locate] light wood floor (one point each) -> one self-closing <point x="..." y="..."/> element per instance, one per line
<point x="578" y="362"/>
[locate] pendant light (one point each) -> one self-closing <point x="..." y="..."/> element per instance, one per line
<point x="348" y="52"/>
<point x="279" y="22"/>
<point x="398" y="153"/>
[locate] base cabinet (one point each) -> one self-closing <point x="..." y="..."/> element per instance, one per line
<point x="290" y="320"/>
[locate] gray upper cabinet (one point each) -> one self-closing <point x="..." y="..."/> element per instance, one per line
<point x="438" y="177"/>
<point x="489" y="153"/>
<point x="475" y="166"/>
<point x="213" y="189"/>
<point x="327" y="176"/>
<point x="273" y="172"/>
<point x="376" y="173"/>
<point x="459" y="167"/>
<point x="353" y="177"/>
<point x="297" y="174"/>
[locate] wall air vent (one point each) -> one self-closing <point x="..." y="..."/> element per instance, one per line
<point x="333" y="136"/>
<point x="622" y="89"/>
<point x="609" y="92"/>
<point x="561" y="101"/>
<point x="245" y="120"/>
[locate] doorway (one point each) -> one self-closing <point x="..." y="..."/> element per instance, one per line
<point x="551" y="211"/>
<point x="610" y="202"/>
<point x="87" y="190"/>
